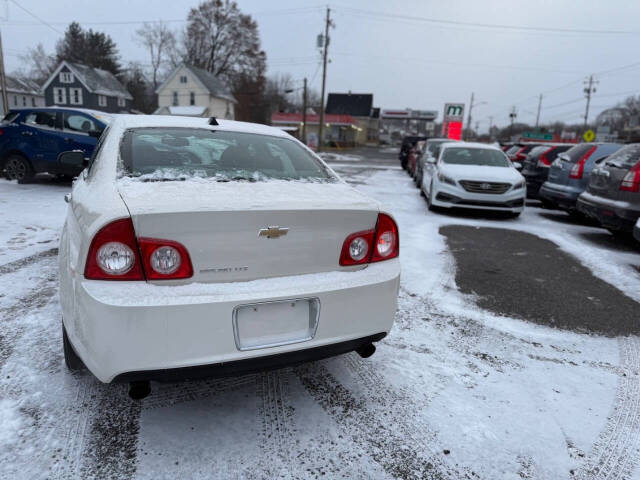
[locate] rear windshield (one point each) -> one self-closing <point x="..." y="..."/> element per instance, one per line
<point x="10" y="117"/>
<point x="577" y="152"/>
<point x="513" y="149"/>
<point x="536" y="152"/>
<point x="475" y="156"/>
<point x="627" y="156"/>
<point x="163" y="154"/>
<point x="528" y="148"/>
<point x="433" y="145"/>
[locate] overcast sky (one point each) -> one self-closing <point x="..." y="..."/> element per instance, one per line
<point x="403" y="59"/>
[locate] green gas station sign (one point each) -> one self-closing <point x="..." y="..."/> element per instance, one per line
<point x="537" y="136"/>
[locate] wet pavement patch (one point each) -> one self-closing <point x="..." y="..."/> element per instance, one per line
<point x="524" y="276"/>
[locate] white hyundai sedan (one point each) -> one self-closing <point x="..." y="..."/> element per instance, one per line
<point x="473" y="175"/>
<point x="198" y="247"/>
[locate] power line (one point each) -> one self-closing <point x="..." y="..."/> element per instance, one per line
<point x="388" y="15"/>
<point x="263" y="13"/>
<point x="36" y="17"/>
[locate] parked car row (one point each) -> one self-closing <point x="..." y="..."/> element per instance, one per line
<point x="452" y="174"/>
<point x="32" y="138"/>
<point x="597" y="180"/>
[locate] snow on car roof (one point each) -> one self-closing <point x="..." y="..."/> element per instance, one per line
<point x="484" y="146"/>
<point x="142" y="121"/>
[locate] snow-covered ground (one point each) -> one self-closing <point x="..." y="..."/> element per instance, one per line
<point x="453" y="392"/>
<point x="31" y="216"/>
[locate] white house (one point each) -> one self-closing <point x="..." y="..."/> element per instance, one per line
<point x="195" y="92"/>
<point x="22" y="93"/>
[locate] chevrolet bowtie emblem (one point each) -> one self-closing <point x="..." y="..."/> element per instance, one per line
<point x="272" y="232"/>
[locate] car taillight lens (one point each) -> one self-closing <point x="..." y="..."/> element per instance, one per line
<point x="113" y="253"/>
<point x="631" y="181"/>
<point x="356" y="249"/>
<point x="543" y="160"/>
<point x="386" y="239"/>
<point x="577" y="171"/>
<point x="165" y="259"/>
<point x="369" y="246"/>
<point x="116" y="254"/>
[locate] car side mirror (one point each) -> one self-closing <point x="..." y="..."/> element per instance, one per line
<point x="517" y="165"/>
<point x="74" y="158"/>
<point x="430" y="159"/>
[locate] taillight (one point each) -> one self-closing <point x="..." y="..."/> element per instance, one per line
<point x="113" y="253"/>
<point x="578" y="169"/>
<point x="165" y="259"/>
<point x="519" y="154"/>
<point x="543" y="160"/>
<point x="381" y="243"/>
<point x="116" y="254"/>
<point x="631" y="181"/>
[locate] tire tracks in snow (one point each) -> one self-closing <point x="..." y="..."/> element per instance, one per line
<point x="616" y="452"/>
<point x="25" y="261"/>
<point x="381" y="421"/>
<point x="36" y="298"/>
<point x="277" y="430"/>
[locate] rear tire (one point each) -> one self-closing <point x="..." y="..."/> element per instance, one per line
<point x="549" y="205"/>
<point x="430" y="205"/>
<point x="17" y="167"/>
<point x="71" y="359"/>
<point x="620" y="234"/>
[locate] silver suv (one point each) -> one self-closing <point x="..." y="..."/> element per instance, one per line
<point x="569" y="173"/>
<point x="613" y="194"/>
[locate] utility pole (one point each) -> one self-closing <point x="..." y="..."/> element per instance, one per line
<point x="512" y="117"/>
<point x="490" y="125"/>
<point x="469" y="118"/>
<point x="3" y="81"/>
<point x="589" y="89"/>
<point x="304" y="112"/>
<point x="539" y="108"/>
<point x="327" y="24"/>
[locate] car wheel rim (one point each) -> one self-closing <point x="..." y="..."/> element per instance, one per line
<point x="15" y="169"/>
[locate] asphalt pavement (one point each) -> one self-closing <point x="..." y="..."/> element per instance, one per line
<point x="521" y="275"/>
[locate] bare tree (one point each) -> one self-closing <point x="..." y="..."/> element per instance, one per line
<point x="160" y="42"/>
<point x="38" y="64"/>
<point x="224" y="41"/>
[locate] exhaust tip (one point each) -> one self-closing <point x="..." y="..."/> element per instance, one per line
<point x="366" y="350"/>
<point x="139" y="390"/>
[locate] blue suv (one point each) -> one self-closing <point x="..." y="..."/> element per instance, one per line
<point x="32" y="138"/>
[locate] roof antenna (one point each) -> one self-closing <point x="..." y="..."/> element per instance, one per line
<point x="213" y="121"/>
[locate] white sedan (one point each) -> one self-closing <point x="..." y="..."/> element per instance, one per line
<point x="473" y="175"/>
<point x="195" y="247"/>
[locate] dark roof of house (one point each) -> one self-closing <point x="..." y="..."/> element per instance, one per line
<point x="22" y="85"/>
<point x="99" y="81"/>
<point x="356" y="104"/>
<point x="215" y="86"/>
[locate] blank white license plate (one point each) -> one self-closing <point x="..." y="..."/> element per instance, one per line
<point x="269" y="324"/>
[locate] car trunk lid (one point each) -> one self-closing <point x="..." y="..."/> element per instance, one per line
<point x="606" y="179"/>
<point x="239" y="231"/>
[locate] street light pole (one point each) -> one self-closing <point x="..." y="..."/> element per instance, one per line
<point x="3" y="81"/>
<point x="589" y="89"/>
<point x="512" y="116"/>
<point x="324" y="76"/>
<point x="304" y="112"/>
<point x="539" y="108"/>
<point x="469" y="118"/>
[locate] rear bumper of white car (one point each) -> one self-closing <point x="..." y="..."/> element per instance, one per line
<point x="136" y="330"/>
<point x="449" y="196"/>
